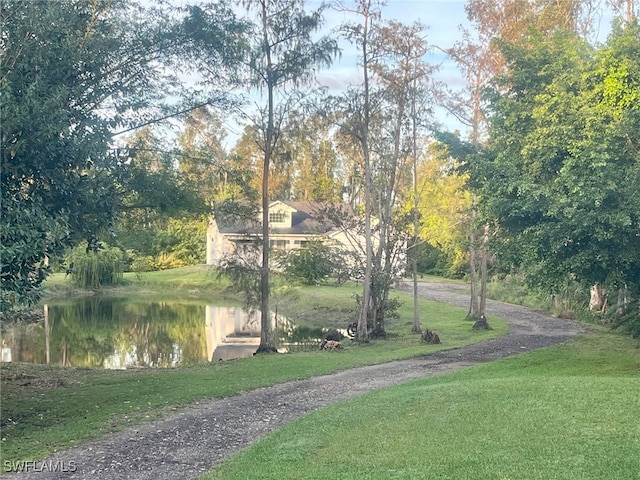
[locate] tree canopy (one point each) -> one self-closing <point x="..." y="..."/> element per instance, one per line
<point x="73" y="73"/>
<point x="565" y="164"/>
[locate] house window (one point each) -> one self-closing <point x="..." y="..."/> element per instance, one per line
<point x="301" y="243"/>
<point x="279" y="244"/>
<point x="277" y="217"/>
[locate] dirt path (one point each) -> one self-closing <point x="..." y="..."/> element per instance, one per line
<point x="190" y="442"/>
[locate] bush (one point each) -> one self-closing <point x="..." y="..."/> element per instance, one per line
<point x="312" y="264"/>
<point x="93" y="269"/>
<point x="143" y="264"/>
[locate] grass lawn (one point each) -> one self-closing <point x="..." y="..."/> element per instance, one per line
<point x="45" y="409"/>
<point x="566" y="412"/>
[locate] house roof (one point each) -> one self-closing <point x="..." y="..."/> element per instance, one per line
<point x="307" y="218"/>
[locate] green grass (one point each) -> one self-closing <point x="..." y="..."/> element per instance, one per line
<point x="566" y="412"/>
<point x="45" y="409"/>
<point x="194" y="281"/>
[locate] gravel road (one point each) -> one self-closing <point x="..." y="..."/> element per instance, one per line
<point x="192" y="440"/>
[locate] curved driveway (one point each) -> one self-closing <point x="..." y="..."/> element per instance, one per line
<point x="191" y="441"/>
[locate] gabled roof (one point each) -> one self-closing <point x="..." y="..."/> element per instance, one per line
<point x="307" y="218"/>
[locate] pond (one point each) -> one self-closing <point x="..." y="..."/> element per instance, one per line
<point x="116" y="333"/>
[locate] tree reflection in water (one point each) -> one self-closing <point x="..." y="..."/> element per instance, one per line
<point x="123" y="333"/>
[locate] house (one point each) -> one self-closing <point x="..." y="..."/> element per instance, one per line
<point x="292" y="224"/>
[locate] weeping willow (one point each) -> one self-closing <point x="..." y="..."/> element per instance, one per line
<point x="91" y="269"/>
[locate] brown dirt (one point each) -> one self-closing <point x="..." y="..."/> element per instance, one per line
<point x="191" y="441"/>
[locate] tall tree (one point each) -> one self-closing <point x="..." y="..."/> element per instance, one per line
<point x="284" y="55"/>
<point x="70" y="73"/>
<point x="480" y="60"/>
<point x="567" y="168"/>
<point x="357" y="126"/>
<point x="398" y="66"/>
<point x="315" y="158"/>
<point x="444" y="204"/>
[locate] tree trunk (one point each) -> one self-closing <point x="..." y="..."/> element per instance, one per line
<point x="481" y="322"/>
<point x="473" y="278"/>
<point x="598" y="301"/>
<point x="414" y="263"/>
<point x="623" y="301"/>
<point x="483" y="271"/>
<point x="267" y="340"/>
<point x="416" y="314"/>
<point x="363" y="333"/>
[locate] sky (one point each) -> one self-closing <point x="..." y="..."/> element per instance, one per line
<point x="441" y="18"/>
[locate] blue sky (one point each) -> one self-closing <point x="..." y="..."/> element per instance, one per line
<point x="442" y="20"/>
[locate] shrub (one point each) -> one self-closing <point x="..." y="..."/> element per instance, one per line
<point x="143" y="264"/>
<point x="93" y="269"/>
<point x="312" y="264"/>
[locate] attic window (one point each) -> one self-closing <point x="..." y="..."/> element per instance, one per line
<point x="277" y="217"/>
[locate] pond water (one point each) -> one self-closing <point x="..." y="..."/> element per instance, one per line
<point x="119" y="333"/>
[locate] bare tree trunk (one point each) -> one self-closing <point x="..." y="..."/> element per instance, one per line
<point x="47" y="334"/>
<point x="483" y="271"/>
<point x="363" y="333"/>
<point x="267" y="343"/>
<point x="414" y="263"/>
<point x="473" y="276"/>
<point x="481" y="321"/>
<point x="598" y="301"/>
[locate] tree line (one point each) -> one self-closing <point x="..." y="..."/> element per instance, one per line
<point x="114" y="119"/>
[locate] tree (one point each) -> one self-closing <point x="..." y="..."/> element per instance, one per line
<point x="481" y="61"/>
<point x="73" y="75"/>
<point x="358" y="114"/>
<point x="564" y="162"/>
<point x="444" y="205"/>
<point x="398" y="67"/>
<point x="377" y="118"/>
<point x="314" y="175"/>
<point x="202" y="161"/>
<point x="62" y="64"/>
<point x="284" y="55"/>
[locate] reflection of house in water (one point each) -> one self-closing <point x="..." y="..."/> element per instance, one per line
<point x="6" y="354"/>
<point x="121" y="359"/>
<point x="231" y="332"/>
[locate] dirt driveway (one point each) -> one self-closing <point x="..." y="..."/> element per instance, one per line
<point x="191" y="441"/>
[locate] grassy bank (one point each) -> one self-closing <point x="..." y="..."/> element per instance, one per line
<point x="45" y="409"/>
<point x="567" y="412"/>
<point x="199" y="280"/>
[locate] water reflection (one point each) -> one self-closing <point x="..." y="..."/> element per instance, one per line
<point x="118" y="333"/>
<point x="231" y="332"/>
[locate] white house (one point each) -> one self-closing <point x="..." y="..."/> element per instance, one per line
<point x="291" y="225"/>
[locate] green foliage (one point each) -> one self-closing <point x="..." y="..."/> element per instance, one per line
<point x="569" y="300"/>
<point x="184" y="239"/>
<point x="164" y="244"/>
<point x="245" y="279"/>
<point x="25" y="237"/>
<point x="94" y="269"/>
<point x="312" y="264"/>
<point x="562" y="174"/>
<point x="74" y="74"/>
<point x="72" y="71"/>
<point x="435" y="261"/>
